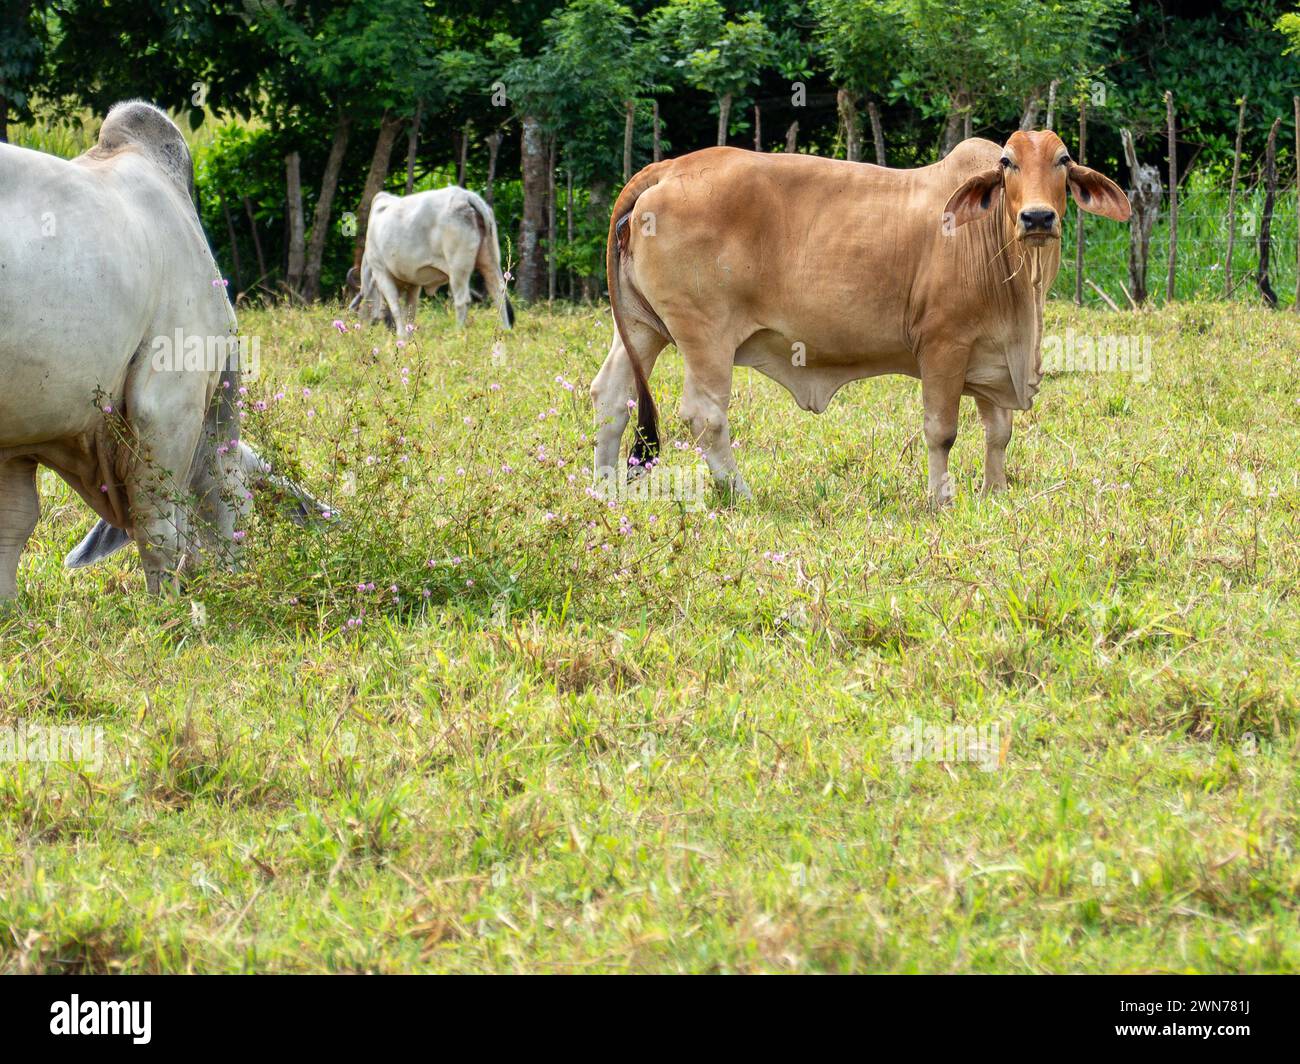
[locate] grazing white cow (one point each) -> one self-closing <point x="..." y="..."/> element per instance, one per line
<point x="104" y="269"/>
<point x="425" y="241"/>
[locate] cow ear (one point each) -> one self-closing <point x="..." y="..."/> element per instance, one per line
<point x="1098" y="194"/>
<point x="976" y="197"/>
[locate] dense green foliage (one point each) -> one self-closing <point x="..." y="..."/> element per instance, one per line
<point x="299" y="77"/>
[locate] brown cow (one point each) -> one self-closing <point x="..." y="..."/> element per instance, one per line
<point x="817" y="272"/>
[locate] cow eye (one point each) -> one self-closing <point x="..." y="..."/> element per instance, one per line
<point x="1005" y="161"/>
<point x="1065" y="161"/>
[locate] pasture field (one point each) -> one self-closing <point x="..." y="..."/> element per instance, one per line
<point x="484" y="721"/>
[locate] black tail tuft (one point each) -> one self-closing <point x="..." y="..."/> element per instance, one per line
<point x="645" y="446"/>
<point x="510" y="312"/>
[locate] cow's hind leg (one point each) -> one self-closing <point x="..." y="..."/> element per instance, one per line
<point x="20" y="507"/>
<point x="613" y="391"/>
<point x="941" y="396"/>
<point x="706" y="395"/>
<point x="997" y="434"/>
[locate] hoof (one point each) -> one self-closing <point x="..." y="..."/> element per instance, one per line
<point x="945" y="494"/>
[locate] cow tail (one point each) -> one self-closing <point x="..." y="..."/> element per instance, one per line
<point x="645" y="447"/>
<point x="490" y="248"/>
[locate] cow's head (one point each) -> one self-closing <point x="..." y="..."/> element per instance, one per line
<point x="1029" y="184"/>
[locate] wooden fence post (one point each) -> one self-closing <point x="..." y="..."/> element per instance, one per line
<point x="552" y="249"/>
<point x="1078" y="214"/>
<point x="1173" y="198"/>
<point x="1266" y="222"/>
<point x="1232" y="199"/>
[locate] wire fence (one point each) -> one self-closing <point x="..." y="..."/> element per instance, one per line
<point x="1201" y="254"/>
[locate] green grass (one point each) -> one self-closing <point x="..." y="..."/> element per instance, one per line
<point x="673" y="749"/>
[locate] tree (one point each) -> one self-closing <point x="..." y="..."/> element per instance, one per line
<point x="714" y="53"/>
<point x="358" y="60"/>
<point x="576" y="95"/>
<point x="965" y="52"/>
<point x="23" y="37"/>
<point x="861" y="42"/>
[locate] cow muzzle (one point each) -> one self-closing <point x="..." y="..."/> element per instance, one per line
<point x="1037" y="225"/>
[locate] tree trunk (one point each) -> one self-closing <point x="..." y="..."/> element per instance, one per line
<point x="4" y="120"/>
<point x="598" y="206"/>
<point x="792" y="137"/>
<point x="951" y="133"/>
<point x="1232" y="200"/>
<point x="658" y="157"/>
<point x="1266" y="221"/>
<point x="532" y="267"/>
<point x="1295" y="307"/>
<point x="1173" y="199"/>
<point x="413" y="145"/>
<point x="464" y="156"/>
<point x="629" y="117"/>
<point x="877" y="131"/>
<point x="1078" y="215"/>
<point x="848" y="111"/>
<point x="494" y="146"/>
<point x="257" y="240"/>
<point x="320" y="219"/>
<point x="388" y="128"/>
<point x="724" y="118"/>
<point x="297" y="225"/>
<point x="1050" y="121"/>
<point x="758" y="128"/>
<point x="1029" y="117"/>
<point x="234" y="247"/>
<point x="1145" y="198"/>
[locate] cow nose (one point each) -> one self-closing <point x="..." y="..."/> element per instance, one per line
<point x="1038" y="220"/>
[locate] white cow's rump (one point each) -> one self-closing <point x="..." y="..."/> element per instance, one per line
<point x="99" y="256"/>
<point x="425" y="241"/>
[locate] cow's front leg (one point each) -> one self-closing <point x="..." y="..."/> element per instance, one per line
<point x="997" y="434"/>
<point x="412" y="296"/>
<point x="20" y="507"/>
<point x="941" y="397"/>
<point x="706" y="395"/>
<point x="167" y="420"/>
<point x="388" y="289"/>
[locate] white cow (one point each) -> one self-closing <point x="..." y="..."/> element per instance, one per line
<point x="425" y="241"/>
<point x="104" y="268"/>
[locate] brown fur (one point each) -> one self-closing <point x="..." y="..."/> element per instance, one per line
<point x="862" y="269"/>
